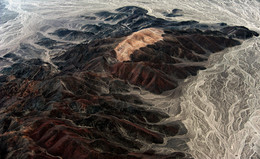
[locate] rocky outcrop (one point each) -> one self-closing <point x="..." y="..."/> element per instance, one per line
<point x="142" y="74"/>
<point x="84" y="104"/>
<point x="158" y="66"/>
<point x="136" y="41"/>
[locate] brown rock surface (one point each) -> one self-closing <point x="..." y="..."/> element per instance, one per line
<point x="89" y="105"/>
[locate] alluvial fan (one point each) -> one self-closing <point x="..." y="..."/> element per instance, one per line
<point x="222" y="106"/>
<point x="94" y="80"/>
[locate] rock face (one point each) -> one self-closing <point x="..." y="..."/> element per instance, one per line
<point x="85" y="106"/>
<point x="136" y="41"/>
